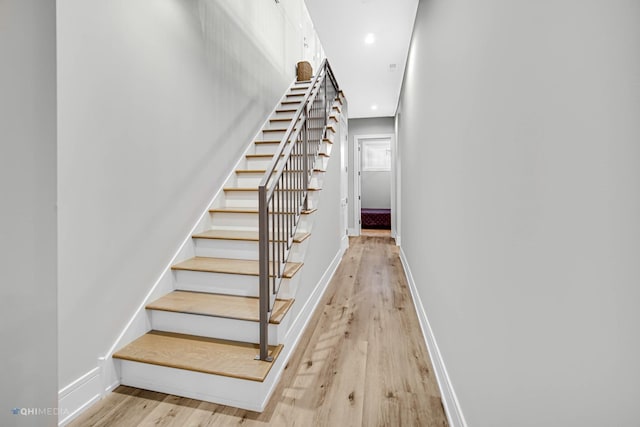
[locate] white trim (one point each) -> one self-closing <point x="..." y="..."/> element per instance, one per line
<point x="449" y="398"/>
<point x="74" y="398"/>
<point x="344" y="244"/>
<point x="396" y="183"/>
<point x="357" y="185"/>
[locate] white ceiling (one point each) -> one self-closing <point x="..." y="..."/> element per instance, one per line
<point x="363" y="70"/>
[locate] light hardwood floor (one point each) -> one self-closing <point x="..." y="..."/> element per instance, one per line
<point x="372" y="232"/>
<point x="361" y="362"/>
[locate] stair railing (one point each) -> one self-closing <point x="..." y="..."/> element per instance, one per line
<point x="283" y="191"/>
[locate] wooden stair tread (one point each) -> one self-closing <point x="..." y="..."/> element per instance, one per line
<point x="234" y="210"/>
<point x="268" y="141"/>
<point x="247" y="189"/>
<point x="231" y="266"/>
<point x="262" y="171"/>
<point x="276" y="130"/>
<point x="264" y="156"/>
<point x="248" y="210"/>
<point x="247" y="235"/>
<point x="207" y="355"/>
<point x="218" y="305"/>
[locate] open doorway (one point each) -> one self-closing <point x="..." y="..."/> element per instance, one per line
<point x="373" y="184"/>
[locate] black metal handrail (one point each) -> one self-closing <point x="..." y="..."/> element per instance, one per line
<point x="283" y="190"/>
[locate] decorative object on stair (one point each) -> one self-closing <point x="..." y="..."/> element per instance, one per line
<point x="304" y="71"/>
<point x="217" y="336"/>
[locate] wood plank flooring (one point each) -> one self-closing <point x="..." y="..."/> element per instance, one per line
<point x="361" y="362"/>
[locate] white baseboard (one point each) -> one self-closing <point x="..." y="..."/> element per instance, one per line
<point x="449" y="398"/>
<point x="79" y="395"/>
<point x="344" y="244"/>
<point x="354" y="232"/>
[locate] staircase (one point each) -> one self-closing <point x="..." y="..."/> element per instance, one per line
<point x="205" y="335"/>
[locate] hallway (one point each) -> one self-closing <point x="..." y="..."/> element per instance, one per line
<point x="361" y="362"/>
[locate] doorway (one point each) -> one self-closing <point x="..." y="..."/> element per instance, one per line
<point x="374" y="157"/>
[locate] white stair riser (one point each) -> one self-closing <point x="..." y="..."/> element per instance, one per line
<point x="317" y="180"/>
<point x="284" y="114"/>
<point x="290" y="103"/>
<point x="214" y="327"/>
<point x="274" y="135"/>
<point x="271" y="148"/>
<point x="196" y="385"/>
<point x="249" y="199"/>
<point x="279" y="124"/>
<point x="253" y="179"/>
<point x="257" y="162"/>
<point x="218" y="248"/>
<point x="241" y="199"/>
<point x="240" y="249"/>
<point x="244" y="221"/>
<point x="236" y="221"/>
<point x="262" y="163"/>
<point x="220" y="283"/>
<point x="265" y="148"/>
<point x="294" y="95"/>
<point x="322" y="162"/>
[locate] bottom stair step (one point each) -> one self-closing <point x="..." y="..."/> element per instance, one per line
<point x="206" y="355"/>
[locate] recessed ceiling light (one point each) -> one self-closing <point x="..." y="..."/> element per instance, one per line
<point x="374" y="107"/>
<point x="370" y="38"/>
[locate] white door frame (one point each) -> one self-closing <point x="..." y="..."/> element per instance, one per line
<point x="343" y="135"/>
<point x="356" y="175"/>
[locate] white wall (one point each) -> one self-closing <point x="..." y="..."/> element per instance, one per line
<point x="521" y="203"/>
<point x="371" y="194"/>
<point x="28" y="251"/>
<point x="157" y="100"/>
<point x="376" y="189"/>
